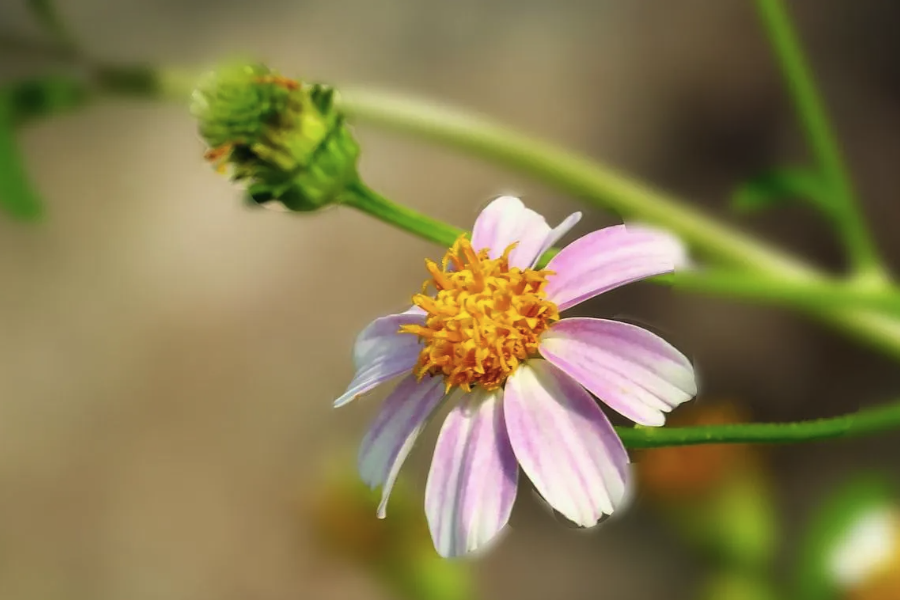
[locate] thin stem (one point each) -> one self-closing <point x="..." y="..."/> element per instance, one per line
<point x="864" y="422"/>
<point x="361" y="197"/>
<point x="811" y="112"/>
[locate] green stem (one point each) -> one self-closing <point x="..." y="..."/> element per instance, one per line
<point x="864" y="422"/>
<point x="819" y="134"/>
<point x="578" y="175"/>
<point x="803" y="294"/>
<point x="363" y="198"/>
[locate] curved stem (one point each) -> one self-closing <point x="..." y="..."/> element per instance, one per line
<point x="576" y="174"/>
<point x="813" y="117"/>
<point x="864" y="422"/>
<point x="363" y="198"/>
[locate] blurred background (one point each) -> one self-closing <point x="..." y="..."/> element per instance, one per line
<point x="168" y="357"/>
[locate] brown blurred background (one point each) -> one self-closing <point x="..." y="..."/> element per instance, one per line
<point x="168" y="357"/>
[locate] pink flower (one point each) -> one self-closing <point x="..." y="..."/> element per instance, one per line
<point x="489" y="342"/>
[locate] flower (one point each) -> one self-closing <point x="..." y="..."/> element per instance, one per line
<point x="489" y="341"/>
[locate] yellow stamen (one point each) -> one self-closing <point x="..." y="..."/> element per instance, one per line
<point x="484" y="319"/>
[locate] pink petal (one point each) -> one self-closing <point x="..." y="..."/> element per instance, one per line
<point x="381" y="353"/>
<point x="505" y="221"/>
<point x="472" y="483"/>
<point x="556" y="234"/>
<point x="608" y="258"/>
<point x="395" y="430"/>
<point x="564" y="443"/>
<point x="635" y="372"/>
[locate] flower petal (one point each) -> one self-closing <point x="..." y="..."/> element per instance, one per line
<point x="635" y="372"/>
<point x="381" y="353"/>
<point x="472" y="483"/>
<point x="556" y="234"/>
<point x="506" y="221"/>
<point x="392" y="435"/>
<point x="608" y="258"/>
<point x="564" y="443"/>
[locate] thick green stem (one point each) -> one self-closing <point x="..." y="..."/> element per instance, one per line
<point x="802" y="294"/>
<point x="864" y="422"/>
<point x="578" y="175"/>
<point x="813" y="117"/>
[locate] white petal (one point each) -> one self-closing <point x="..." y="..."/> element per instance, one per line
<point x="564" y="443"/>
<point x="557" y="233"/>
<point x="381" y="353"/>
<point x="506" y="221"/>
<point x="395" y="430"/>
<point x="472" y="483"/>
<point x="609" y="258"/>
<point x="635" y="372"/>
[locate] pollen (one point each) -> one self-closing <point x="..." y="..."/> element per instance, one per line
<point x="483" y="319"/>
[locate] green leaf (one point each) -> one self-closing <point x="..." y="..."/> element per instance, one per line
<point x="737" y="527"/>
<point x="39" y="97"/>
<point x="830" y="523"/>
<point x="738" y="585"/>
<point x="17" y="197"/>
<point x="782" y="186"/>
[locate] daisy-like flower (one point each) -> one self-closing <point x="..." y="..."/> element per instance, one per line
<point x="486" y="337"/>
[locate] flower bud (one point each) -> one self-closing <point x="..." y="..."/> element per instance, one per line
<point x="284" y="139"/>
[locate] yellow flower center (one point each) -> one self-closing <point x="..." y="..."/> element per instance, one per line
<point x="484" y="320"/>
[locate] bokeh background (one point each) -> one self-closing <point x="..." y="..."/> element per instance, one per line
<point x="168" y="356"/>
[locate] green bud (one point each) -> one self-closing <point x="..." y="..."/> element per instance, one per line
<point x="284" y="139"/>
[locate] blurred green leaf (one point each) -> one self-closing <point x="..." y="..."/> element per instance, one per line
<point x="737" y="527"/>
<point x="781" y="186"/>
<point x="21" y="103"/>
<point x="17" y="197"/>
<point x="423" y="575"/>
<point x="31" y="99"/>
<point x="738" y="585"/>
<point x="830" y="523"/>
